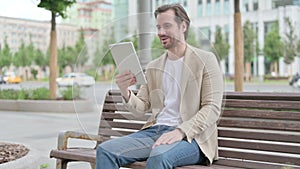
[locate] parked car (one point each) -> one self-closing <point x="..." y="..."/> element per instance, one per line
<point x="11" y="77"/>
<point x="76" y="79"/>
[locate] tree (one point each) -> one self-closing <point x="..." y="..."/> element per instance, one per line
<point x="250" y="37"/>
<point x="80" y="50"/>
<point x="102" y="55"/>
<point x="221" y="47"/>
<point x="66" y="57"/>
<point x="40" y="58"/>
<point x="156" y="48"/>
<point x="298" y="48"/>
<point x="191" y="39"/>
<point x="290" y="42"/>
<point x="23" y="57"/>
<point x="238" y="48"/>
<point x="5" y="56"/>
<point x="57" y="8"/>
<point x="273" y="47"/>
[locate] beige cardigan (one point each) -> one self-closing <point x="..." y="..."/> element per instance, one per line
<point x="201" y="97"/>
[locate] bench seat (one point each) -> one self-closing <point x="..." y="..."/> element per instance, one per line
<point x="255" y="130"/>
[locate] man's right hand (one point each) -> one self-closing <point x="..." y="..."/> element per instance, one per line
<point x="124" y="80"/>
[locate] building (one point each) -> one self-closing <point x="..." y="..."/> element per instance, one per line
<point x="207" y="15"/>
<point x="93" y="17"/>
<point x="16" y="30"/>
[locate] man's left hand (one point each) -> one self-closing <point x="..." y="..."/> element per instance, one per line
<point x="169" y="137"/>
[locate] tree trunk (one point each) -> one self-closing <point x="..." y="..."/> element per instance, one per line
<point x="276" y="68"/>
<point x="248" y="71"/>
<point x="238" y="48"/>
<point x="53" y="58"/>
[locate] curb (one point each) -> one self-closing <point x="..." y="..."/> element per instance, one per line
<point x="72" y="106"/>
<point x="31" y="160"/>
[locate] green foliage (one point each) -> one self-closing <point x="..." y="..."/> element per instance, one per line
<point x="80" y="50"/>
<point x="156" y="48"/>
<point x="34" y="72"/>
<point x="290" y="43"/>
<point x="220" y="45"/>
<point x="273" y="47"/>
<point x="11" y="94"/>
<point x="250" y="37"/>
<point x="66" y="57"/>
<point x="40" y="58"/>
<point x="5" y="55"/>
<point x="191" y="39"/>
<point x="102" y="55"/>
<point x="24" y="56"/>
<point x="44" y="166"/>
<point x="298" y="47"/>
<point x="57" y="6"/>
<point x="40" y="94"/>
<point x="71" y="93"/>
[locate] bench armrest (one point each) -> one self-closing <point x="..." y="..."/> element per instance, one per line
<point x="63" y="137"/>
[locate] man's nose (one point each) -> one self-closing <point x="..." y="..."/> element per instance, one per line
<point x="161" y="31"/>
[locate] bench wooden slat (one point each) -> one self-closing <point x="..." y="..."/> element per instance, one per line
<point x="111" y="132"/>
<point x="124" y="116"/>
<point x="113" y="107"/>
<point x="275" y="158"/>
<point x="249" y="164"/>
<point x="114" y="124"/>
<point x="265" y="114"/>
<point x="75" y="154"/>
<point x="262" y="96"/>
<point x="260" y="124"/>
<point x="113" y="99"/>
<point x="263" y="104"/>
<point x="263" y="146"/>
<point x="292" y="137"/>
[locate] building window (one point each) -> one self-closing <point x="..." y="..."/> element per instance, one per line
<point x="226" y="7"/>
<point x="217" y="7"/>
<point x="245" y="7"/>
<point x="208" y="8"/>
<point x="200" y="8"/>
<point x="255" y="5"/>
<point x="268" y="26"/>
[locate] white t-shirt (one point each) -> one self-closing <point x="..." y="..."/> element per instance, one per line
<point x="170" y="114"/>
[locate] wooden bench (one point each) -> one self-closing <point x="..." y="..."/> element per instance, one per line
<point x="256" y="130"/>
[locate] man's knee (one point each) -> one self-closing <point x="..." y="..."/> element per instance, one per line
<point x="159" y="161"/>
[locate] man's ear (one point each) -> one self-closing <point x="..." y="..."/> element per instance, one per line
<point x="183" y="26"/>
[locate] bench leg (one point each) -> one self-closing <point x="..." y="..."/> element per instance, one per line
<point x="93" y="165"/>
<point x="61" y="164"/>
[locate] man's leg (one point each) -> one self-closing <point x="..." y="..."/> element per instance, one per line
<point x="124" y="150"/>
<point x="176" y="154"/>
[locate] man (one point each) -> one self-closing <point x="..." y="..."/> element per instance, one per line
<point x="184" y="93"/>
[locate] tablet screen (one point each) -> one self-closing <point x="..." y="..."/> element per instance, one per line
<point x="126" y="59"/>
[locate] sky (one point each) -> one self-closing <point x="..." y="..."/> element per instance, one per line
<point x="25" y="9"/>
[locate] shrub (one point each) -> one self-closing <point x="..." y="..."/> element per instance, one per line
<point x="40" y="94"/>
<point x="71" y="93"/>
<point x="11" y="94"/>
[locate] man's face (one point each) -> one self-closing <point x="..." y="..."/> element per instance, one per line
<point x="169" y="32"/>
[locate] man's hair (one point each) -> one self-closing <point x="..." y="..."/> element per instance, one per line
<point x="180" y="14"/>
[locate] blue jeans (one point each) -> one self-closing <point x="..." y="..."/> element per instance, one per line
<point x="117" y="152"/>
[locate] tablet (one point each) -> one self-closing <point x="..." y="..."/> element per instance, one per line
<point x="126" y="59"/>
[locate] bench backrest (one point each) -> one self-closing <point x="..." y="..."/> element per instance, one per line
<point x="256" y="130"/>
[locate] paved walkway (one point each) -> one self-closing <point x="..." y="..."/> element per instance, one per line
<point x="39" y="131"/>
